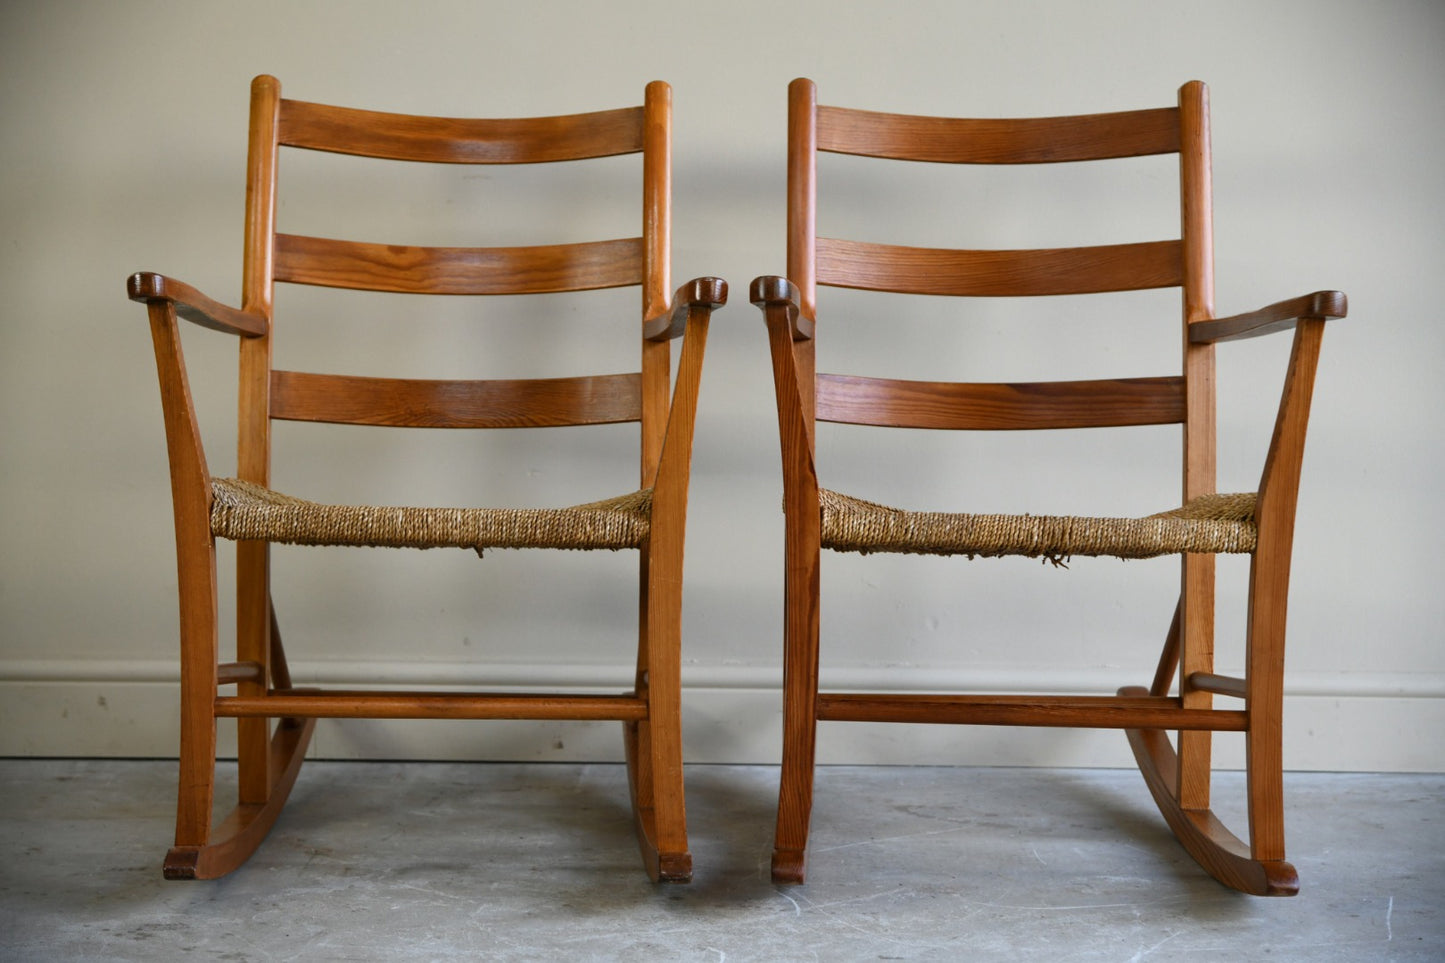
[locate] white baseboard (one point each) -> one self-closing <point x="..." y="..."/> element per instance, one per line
<point x="731" y="714"/>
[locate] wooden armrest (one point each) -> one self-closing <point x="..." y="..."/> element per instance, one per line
<point x="707" y="293"/>
<point x="773" y="290"/>
<point x="193" y="305"/>
<point x="1279" y="316"/>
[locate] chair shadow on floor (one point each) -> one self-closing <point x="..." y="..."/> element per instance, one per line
<point x="1036" y="831"/>
<point x="420" y="823"/>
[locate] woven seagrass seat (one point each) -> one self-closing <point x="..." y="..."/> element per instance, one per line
<point x="242" y="510"/>
<point x="1209" y="523"/>
<point x="1259" y="524"/>
<point x="658" y="398"/>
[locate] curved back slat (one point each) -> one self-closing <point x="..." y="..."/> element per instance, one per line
<point x="1075" y="270"/>
<point x="448" y="140"/>
<point x="409" y="403"/>
<point x="984" y="141"/>
<point x="458" y="270"/>
<point x="885" y="402"/>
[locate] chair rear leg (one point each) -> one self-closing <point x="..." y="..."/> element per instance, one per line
<point x="639" y="785"/>
<point x="254" y="625"/>
<point x="1194" y="639"/>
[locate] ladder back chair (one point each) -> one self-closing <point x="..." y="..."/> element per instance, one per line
<point x="1260" y="524"/>
<point x="256" y="687"/>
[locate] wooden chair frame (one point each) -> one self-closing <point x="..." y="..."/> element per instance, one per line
<point x="270" y="757"/>
<point x="1179" y="779"/>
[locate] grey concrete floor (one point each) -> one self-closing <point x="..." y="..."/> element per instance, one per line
<point x="400" y="861"/>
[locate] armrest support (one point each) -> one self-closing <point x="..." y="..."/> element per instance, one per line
<point x="688" y="316"/>
<point x="190" y="478"/>
<point x="1279" y="481"/>
<point x="194" y="306"/>
<point x="779" y="300"/>
<point x="707" y="293"/>
<point x="1279" y="316"/>
<point x="771" y="290"/>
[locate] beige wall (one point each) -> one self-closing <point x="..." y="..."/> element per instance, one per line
<point x="122" y="149"/>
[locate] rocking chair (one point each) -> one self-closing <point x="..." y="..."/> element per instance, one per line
<point x="247" y="510"/>
<point x="1260" y="524"/>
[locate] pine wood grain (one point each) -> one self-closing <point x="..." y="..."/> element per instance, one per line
<point x="894" y="403"/>
<point x="415" y="403"/>
<point x="1073" y="270"/>
<point x="449" y="140"/>
<point x="1029" y="140"/>
<point x="411" y="269"/>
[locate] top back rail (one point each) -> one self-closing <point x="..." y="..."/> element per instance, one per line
<point x="451" y="140"/>
<point x="1031" y="140"/>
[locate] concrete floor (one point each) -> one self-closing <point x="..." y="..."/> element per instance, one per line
<point x="376" y="861"/>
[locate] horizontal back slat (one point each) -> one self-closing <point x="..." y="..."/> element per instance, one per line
<point x="885" y="402"/>
<point x="368" y="133"/>
<point x="458" y="270"/>
<point x="1070" y="270"/>
<point x="408" y="403"/>
<point x="1034" y="140"/>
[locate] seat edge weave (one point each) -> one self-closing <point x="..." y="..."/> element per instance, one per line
<point x="1209" y="524"/>
<point x="243" y="510"/>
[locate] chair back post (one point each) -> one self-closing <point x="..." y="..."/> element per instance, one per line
<point x="656" y="285"/>
<point x="1197" y="224"/>
<point x="253" y="440"/>
<point x="802" y="225"/>
<point x="1196" y="651"/>
<point x="254" y="449"/>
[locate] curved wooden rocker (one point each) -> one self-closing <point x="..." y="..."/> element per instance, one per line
<point x="1260" y="524"/>
<point x="1224" y="855"/>
<point x="246" y="510"/>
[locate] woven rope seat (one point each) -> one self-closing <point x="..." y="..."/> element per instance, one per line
<point x="1207" y="524"/>
<point x="244" y="510"/>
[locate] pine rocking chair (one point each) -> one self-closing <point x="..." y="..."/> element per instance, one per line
<point x="1260" y="524"/>
<point x="245" y="509"/>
